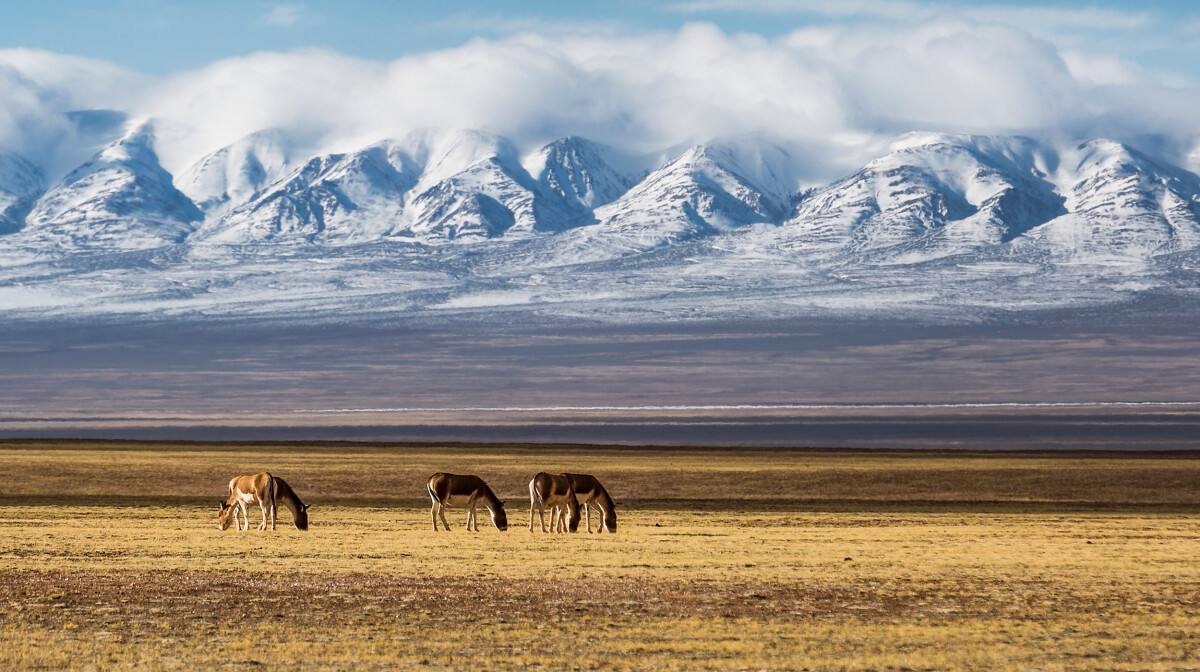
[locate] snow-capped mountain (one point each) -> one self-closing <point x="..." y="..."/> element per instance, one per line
<point x="707" y="190"/>
<point x="931" y="195"/>
<point x="338" y="197"/>
<point x="485" y="199"/>
<point x="426" y="219"/>
<point x="1122" y="203"/>
<point x="474" y="187"/>
<point x="584" y="174"/>
<point x="937" y="194"/>
<point x="122" y="198"/>
<point x="235" y="173"/>
<point x="21" y="183"/>
<point x="432" y="187"/>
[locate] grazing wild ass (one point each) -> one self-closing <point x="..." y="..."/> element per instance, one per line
<point x="453" y="489"/>
<point x="554" y="491"/>
<point x="591" y="493"/>
<point x="266" y="490"/>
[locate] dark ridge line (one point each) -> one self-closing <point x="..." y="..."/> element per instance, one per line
<point x="317" y="445"/>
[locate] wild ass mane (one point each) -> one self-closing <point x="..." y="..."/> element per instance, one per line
<point x="606" y="499"/>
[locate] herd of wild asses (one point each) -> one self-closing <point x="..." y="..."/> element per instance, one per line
<point x="568" y="496"/>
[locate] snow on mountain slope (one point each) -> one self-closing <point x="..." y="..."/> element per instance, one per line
<point x="584" y="174"/>
<point x="88" y="132"/>
<point x="122" y="199"/>
<point x="474" y="187"/>
<point x="336" y="198"/>
<point x="1122" y="205"/>
<point x="444" y="154"/>
<point x="707" y="190"/>
<point x="932" y="195"/>
<point x="434" y="187"/>
<point x="957" y="223"/>
<point x="233" y="174"/>
<point x="21" y="183"/>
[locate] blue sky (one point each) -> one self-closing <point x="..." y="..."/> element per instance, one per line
<point x="162" y="36"/>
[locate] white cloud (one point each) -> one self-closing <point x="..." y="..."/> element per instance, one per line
<point x="39" y="89"/>
<point x="1103" y="70"/>
<point x="283" y="15"/>
<point x="911" y="11"/>
<point x="73" y="81"/>
<point x="836" y="92"/>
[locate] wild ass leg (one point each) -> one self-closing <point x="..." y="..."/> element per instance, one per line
<point x="433" y="511"/>
<point x="542" y="515"/>
<point x="441" y="509"/>
<point x="245" y="515"/>
<point x="262" y="507"/>
<point x="471" y="525"/>
<point x="587" y="516"/>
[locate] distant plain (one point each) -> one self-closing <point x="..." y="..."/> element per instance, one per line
<point x="521" y="377"/>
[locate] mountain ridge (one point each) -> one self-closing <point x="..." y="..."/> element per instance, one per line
<point x="446" y="221"/>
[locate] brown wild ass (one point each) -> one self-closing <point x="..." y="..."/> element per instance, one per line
<point x="457" y="490"/>
<point x="266" y="490"/>
<point x="554" y="491"/>
<point x="591" y="493"/>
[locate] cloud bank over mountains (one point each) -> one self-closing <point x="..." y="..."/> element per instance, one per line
<point x="837" y="93"/>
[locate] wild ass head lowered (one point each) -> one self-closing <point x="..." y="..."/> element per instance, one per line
<point x="447" y="490"/>
<point x="592" y="494"/>
<point x="226" y="515"/>
<point x="554" y="491"/>
<point x="265" y="490"/>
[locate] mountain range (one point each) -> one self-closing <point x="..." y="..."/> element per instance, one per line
<point x="467" y="213"/>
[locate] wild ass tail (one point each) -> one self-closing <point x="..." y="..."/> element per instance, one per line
<point x="288" y="496"/>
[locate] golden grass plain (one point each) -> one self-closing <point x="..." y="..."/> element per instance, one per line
<point x="110" y="558"/>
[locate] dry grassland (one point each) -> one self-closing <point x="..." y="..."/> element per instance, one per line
<point x="109" y="558"/>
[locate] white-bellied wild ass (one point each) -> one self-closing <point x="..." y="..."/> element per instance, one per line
<point x="456" y="490"/>
<point x="266" y="490"/>
<point x="591" y="493"/>
<point x="554" y="491"/>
